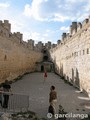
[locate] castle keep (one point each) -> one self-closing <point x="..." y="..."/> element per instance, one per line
<point x="71" y="55"/>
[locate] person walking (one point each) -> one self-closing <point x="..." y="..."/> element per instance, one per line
<point x="45" y="75"/>
<point x="1" y="96"/>
<point x="7" y="91"/>
<point x="53" y="98"/>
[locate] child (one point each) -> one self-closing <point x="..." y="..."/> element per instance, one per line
<point x="45" y="75"/>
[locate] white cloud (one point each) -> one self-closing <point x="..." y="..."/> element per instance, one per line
<point x="75" y="2"/>
<point x="48" y="30"/>
<point x="45" y="35"/>
<point x="4" y="5"/>
<point x="87" y="7"/>
<point x="71" y="1"/>
<point x="36" y="11"/>
<point x="60" y="18"/>
<point x="64" y="28"/>
<point x="35" y="36"/>
<point x="38" y="36"/>
<point x="83" y="17"/>
<point x="27" y="10"/>
<point x="20" y="27"/>
<point x="46" y="0"/>
<point x="44" y="10"/>
<point x="26" y="35"/>
<point x="33" y="10"/>
<point x="16" y="26"/>
<point x="52" y="11"/>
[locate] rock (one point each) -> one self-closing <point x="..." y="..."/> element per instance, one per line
<point x="6" y="116"/>
<point x="21" y="116"/>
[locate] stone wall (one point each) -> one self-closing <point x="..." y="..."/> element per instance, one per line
<point x="72" y="57"/>
<point x="16" y="59"/>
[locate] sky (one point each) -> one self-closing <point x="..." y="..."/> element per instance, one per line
<point x="43" y="20"/>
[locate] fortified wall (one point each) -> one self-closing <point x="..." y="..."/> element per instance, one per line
<point x="16" y="56"/>
<point x="72" y="55"/>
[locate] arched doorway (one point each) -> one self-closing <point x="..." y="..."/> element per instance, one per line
<point x="42" y="68"/>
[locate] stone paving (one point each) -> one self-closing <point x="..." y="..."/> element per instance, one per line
<point x="69" y="97"/>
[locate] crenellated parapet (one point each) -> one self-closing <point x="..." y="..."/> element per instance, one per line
<point x="85" y="22"/>
<point x="5" y="28"/>
<point x="19" y="36"/>
<point x="16" y="37"/>
<point x="79" y="26"/>
<point x="30" y="44"/>
<point x="48" y="45"/>
<point x="63" y="36"/>
<point x="53" y="45"/>
<point x="58" y="42"/>
<point x="75" y="29"/>
<point x="7" y="25"/>
<point x="39" y="46"/>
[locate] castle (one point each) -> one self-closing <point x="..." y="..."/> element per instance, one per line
<point x="71" y="55"/>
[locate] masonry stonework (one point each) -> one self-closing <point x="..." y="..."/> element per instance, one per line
<point x="16" y="57"/>
<point x="72" y="56"/>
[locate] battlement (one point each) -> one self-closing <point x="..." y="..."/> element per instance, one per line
<point x="30" y="44"/>
<point x="48" y="45"/>
<point x="0" y="22"/>
<point x="72" y="56"/>
<point x="19" y="35"/>
<point x="16" y="37"/>
<point x="5" y="25"/>
<point x="85" y="22"/>
<point x="5" y="28"/>
<point x="75" y="28"/>
<point x="63" y="36"/>
<point x="79" y="26"/>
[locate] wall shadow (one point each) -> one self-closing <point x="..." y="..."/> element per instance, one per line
<point x="77" y="80"/>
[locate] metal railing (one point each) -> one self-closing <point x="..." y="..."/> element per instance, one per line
<point x="16" y="103"/>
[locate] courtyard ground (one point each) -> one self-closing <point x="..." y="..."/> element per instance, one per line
<point x="68" y="96"/>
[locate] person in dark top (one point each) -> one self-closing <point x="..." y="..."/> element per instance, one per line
<point x="6" y="89"/>
<point x="1" y="96"/>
